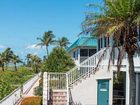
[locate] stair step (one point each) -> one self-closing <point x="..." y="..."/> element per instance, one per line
<point x="59" y="97"/>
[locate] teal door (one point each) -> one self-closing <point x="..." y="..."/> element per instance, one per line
<point x="103" y="92"/>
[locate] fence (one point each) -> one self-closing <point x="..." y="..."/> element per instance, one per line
<point x="14" y="97"/>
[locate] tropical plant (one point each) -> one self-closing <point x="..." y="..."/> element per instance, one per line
<point x="118" y="19"/>
<point x="39" y="89"/>
<point x="58" y="61"/>
<point x="63" y="42"/>
<point x="34" y="61"/>
<point x="28" y="58"/>
<point x="2" y="60"/>
<point x="15" y="59"/>
<point x="10" y="80"/>
<point x="8" y="53"/>
<point x="46" y="40"/>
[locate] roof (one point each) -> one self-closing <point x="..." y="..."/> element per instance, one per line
<point x="83" y="42"/>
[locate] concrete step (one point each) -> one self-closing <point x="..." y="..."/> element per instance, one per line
<point x="59" y="97"/>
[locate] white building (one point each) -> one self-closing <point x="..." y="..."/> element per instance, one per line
<point x="92" y="83"/>
<point x="83" y="48"/>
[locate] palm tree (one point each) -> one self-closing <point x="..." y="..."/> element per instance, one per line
<point x="28" y="57"/>
<point x="15" y="59"/>
<point x="46" y="40"/>
<point x="8" y="53"/>
<point x="118" y="19"/>
<point x="2" y="60"/>
<point x="34" y="61"/>
<point x="63" y="42"/>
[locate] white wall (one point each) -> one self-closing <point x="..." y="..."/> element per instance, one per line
<point x="85" y="93"/>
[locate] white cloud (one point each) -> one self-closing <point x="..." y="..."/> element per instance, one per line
<point x="33" y="46"/>
<point x="2" y="46"/>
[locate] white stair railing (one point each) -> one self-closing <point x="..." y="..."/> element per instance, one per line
<point x="87" y="67"/>
<point x="57" y="84"/>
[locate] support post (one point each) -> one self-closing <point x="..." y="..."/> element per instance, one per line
<point x="127" y="82"/>
<point x="67" y="89"/>
<point x="45" y="94"/>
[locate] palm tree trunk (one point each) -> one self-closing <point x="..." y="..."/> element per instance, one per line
<point x="2" y="67"/>
<point x="6" y="65"/>
<point x="132" y="77"/>
<point x="15" y="66"/>
<point x="47" y="50"/>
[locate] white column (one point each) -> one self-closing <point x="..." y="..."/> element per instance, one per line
<point x="137" y="89"/>
<point x="78" y="58"/>
<point x="67" y="89"/>
<point x="127" y="82"/>
<point x="111" y="89"/>
<point x="45" y="99"/>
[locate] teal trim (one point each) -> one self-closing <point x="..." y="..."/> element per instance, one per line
<point x="83" y="42"/>
<point x="103" y="92"/>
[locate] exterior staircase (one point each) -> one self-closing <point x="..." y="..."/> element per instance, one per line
<point x="56" y="89"/>
<point x="58" y="97"/>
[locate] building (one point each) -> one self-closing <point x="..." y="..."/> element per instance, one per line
<point x="91" y="82"/>
<point x="83" y="48"/>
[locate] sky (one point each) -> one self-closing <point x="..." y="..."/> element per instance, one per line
<point x="22" y="21"/>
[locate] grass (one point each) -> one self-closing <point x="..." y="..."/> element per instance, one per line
<point x="10" y="80"/>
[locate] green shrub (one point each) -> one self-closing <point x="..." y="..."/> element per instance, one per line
<point x="10" y="80"/>
<point x="39" y="90"/>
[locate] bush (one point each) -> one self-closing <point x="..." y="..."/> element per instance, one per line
<point x="39" y="89"/>
<point x="59" y="60"/>
<point x="10" y="80"/>
<point x="32" y="101"/>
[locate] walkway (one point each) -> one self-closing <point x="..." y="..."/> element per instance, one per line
<point x="31" y="91"/>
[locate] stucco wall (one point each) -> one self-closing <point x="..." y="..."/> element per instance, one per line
<point x="85" y="92"/>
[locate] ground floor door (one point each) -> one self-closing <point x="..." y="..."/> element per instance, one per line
<point x="103" y="92"/>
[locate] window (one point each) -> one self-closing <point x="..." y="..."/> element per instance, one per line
<point x="103" y="86"/>
<point x="139" y="32"/>
<point x="84" y="52"/>
<point x="74" y="54"/>
<point x="92" y="51"/>
<point x="104" y="41"/>
<point x="108" y="41"/>
<point x="98" y="44"/>
<point x="101" y="42"/>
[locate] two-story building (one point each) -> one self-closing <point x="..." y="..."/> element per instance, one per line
<point x="83" y="48"/>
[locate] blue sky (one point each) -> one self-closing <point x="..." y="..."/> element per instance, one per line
<point x="22" y="21"/>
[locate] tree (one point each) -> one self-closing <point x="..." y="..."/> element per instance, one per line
<point x="46" y="40"/>
<point x="34" y="61"/>
<point x="58" y="61"/>
<point x="63" y="42"/>
<point x="28" y="58"/>
<point x="118" y="19"/>
<point x="2" y="60"/>
<point x="15" y="59"/>
<point x="8" y="53"/>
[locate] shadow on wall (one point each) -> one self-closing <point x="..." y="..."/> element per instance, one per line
<point x="78" y="103"/>
<point x="71" y="100"/>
